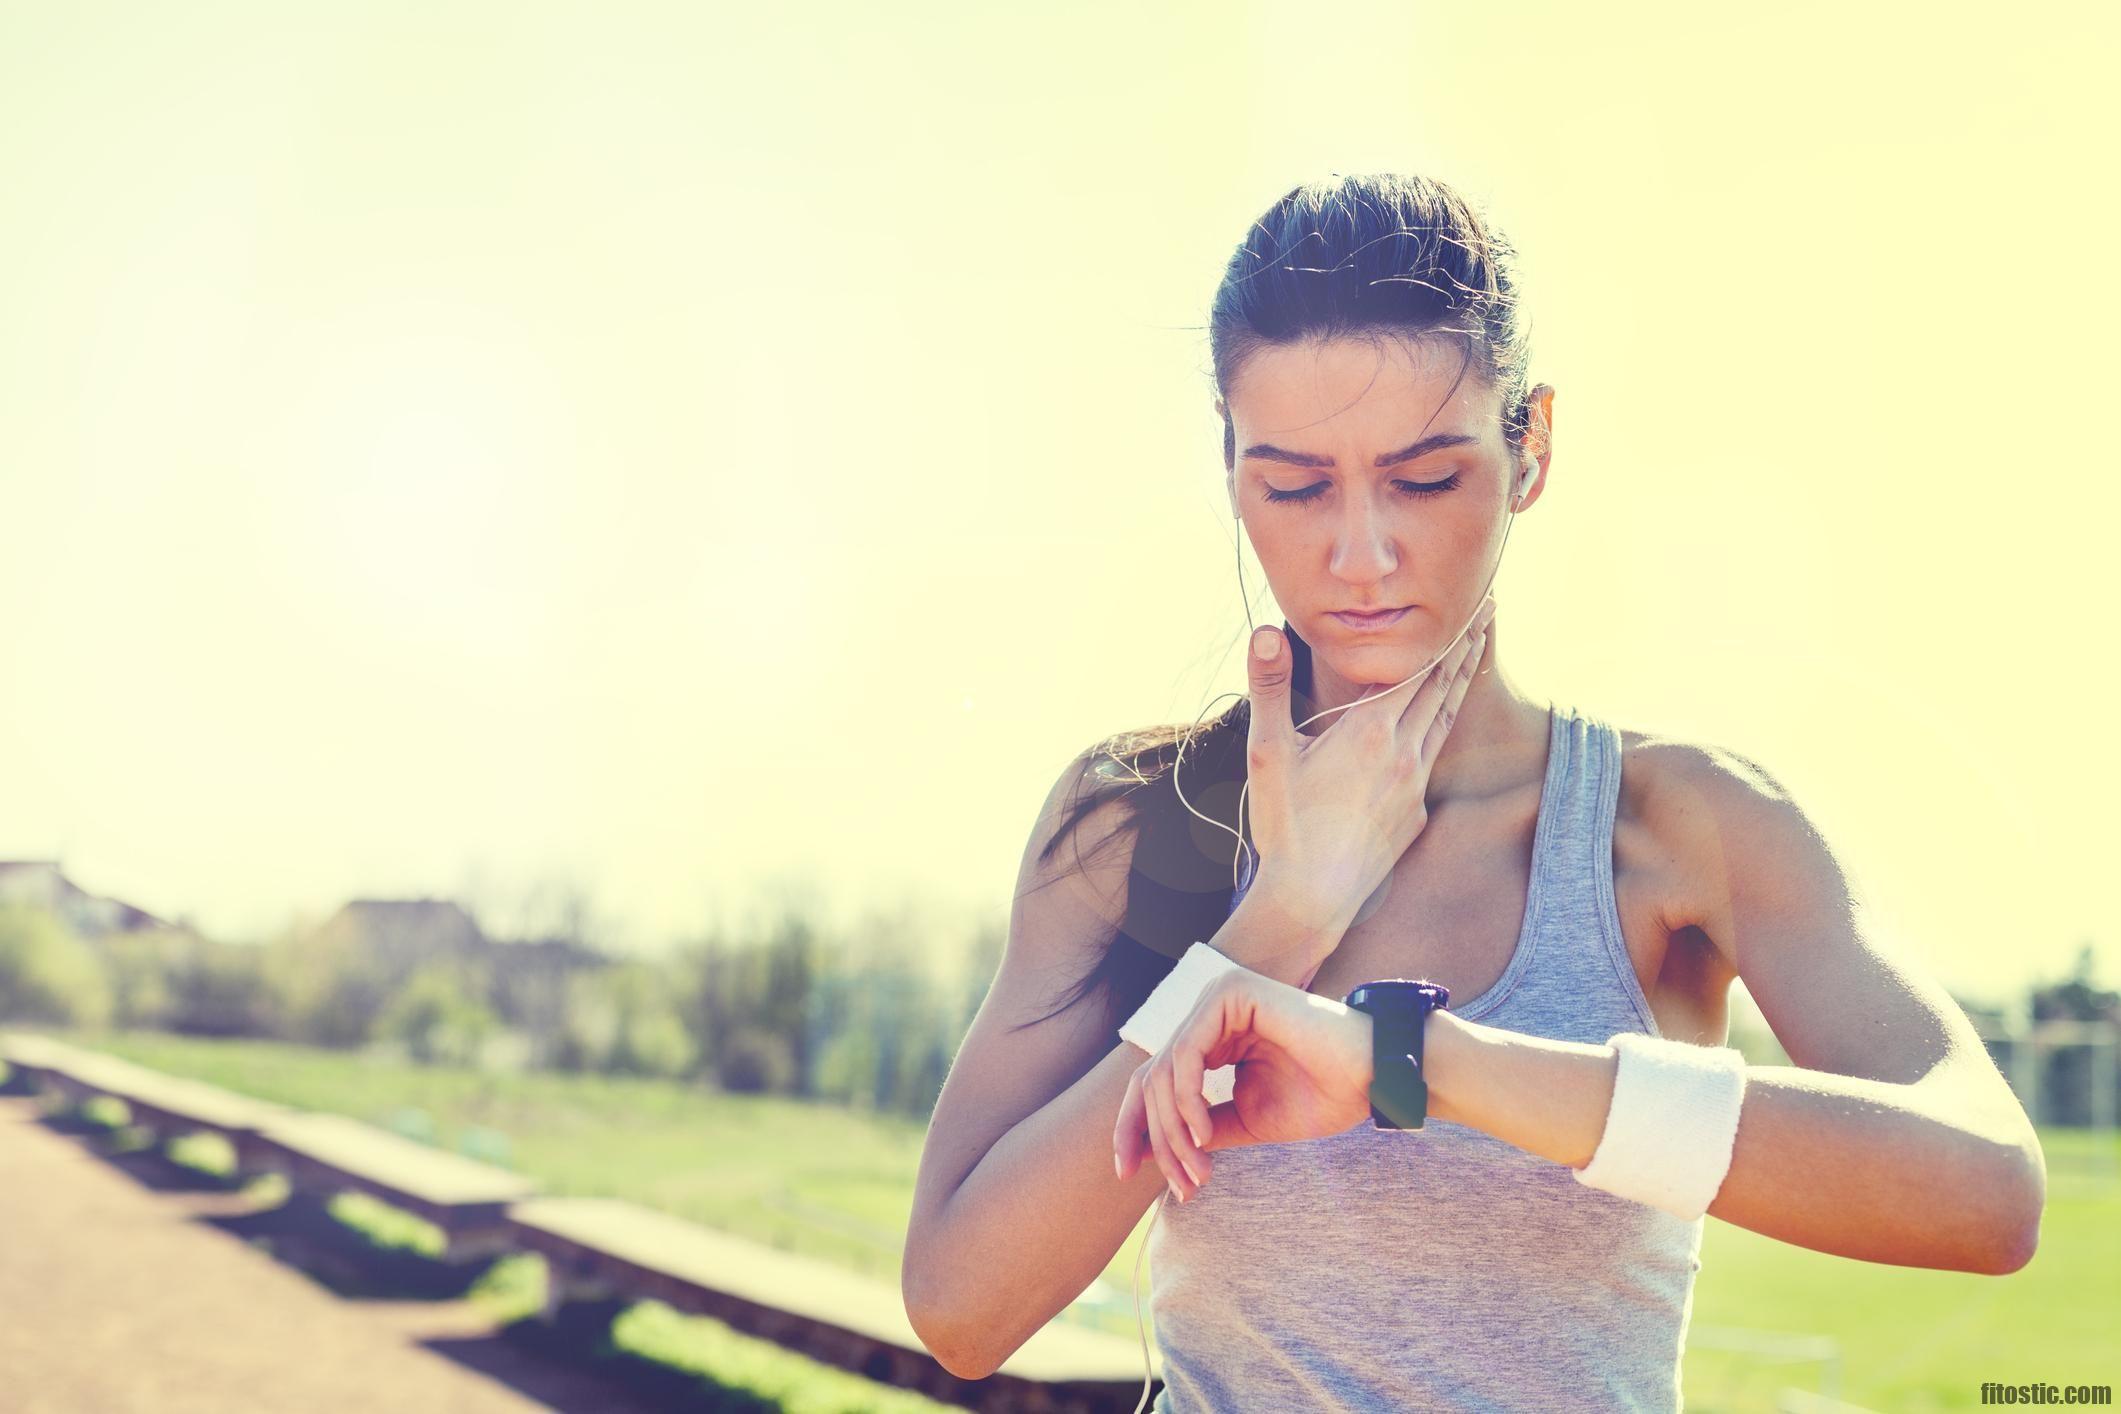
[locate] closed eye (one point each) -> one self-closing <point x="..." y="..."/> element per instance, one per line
<point x="1416" y="489"/>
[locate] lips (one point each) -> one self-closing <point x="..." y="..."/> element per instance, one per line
<point x="1382" y="619"/>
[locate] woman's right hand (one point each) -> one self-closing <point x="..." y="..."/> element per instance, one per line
<point x="1331" y="814"/>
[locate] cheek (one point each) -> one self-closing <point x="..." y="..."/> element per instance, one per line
<point x="1469" y="536"/>
<point x="1284" y="550"/>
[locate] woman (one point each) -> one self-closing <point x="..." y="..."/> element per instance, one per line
<point x="1408" y="811"/>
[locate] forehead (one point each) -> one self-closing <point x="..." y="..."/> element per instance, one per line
<point x="1360" y="386"/>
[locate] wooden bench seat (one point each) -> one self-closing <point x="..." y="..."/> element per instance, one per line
<point x="37" y="1057"/>
<point x="602" y="1248"/>
<point x="466" y="1199"/>
<point x="169" y="1105"/>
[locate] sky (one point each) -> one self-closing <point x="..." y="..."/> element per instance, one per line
<point x="675" y="453"/>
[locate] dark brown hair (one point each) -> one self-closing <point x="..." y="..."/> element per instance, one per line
<point x="1376" y="256"/>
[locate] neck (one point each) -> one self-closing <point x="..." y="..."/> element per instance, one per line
<point x="1496" y="724"/>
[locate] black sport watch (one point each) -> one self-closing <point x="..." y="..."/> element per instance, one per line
<point x="1399" y="1014"/>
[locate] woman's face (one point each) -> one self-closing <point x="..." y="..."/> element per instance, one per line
<point x="1367" y="482"/>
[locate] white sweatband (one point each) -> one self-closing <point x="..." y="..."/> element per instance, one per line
<point x="1157" y="1020"/>
<point x="1674" y="1119"/>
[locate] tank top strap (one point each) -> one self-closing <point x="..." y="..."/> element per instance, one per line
<point x="1577" y="981"/>
<point x="1578" y="841"/>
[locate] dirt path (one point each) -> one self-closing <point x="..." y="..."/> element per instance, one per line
<point x="116" y="1298"/>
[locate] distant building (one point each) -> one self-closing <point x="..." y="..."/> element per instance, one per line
<point x="525" y="982"/>
<point x="400" y="934"/>
<point x="40" y="883"/>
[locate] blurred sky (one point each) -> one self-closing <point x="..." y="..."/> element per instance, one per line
<point x="671" y="448"/>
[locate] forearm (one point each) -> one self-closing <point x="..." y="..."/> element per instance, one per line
<point x="1041" y="1214"/>
<point x="1034" y="1223"/>
<point x="1860" y="1168"/>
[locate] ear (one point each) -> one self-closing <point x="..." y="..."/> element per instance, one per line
<point x="1539" y="429"/>
<point x="1538" y="444"/>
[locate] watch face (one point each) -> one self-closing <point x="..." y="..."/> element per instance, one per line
<point x="1437" y="994"/>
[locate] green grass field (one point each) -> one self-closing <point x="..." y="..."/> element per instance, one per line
<point x="1914" y="1339"/>
<point x="838" y="1185"/>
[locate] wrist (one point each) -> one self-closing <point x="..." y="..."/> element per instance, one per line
<point x="1174" y="998"/>
<point x="1274" y="937"/>
<point x="1450" y="1053"/>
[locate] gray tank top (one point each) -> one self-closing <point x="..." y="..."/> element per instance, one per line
<point x="1443" y="1268"/>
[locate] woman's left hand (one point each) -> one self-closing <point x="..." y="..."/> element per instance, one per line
<point x="1303" y="1072"/>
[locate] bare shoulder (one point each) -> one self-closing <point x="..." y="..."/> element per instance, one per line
<point x="1663" y="775"/>
<point x="1080" y="842"/>
<point x="1706" y="821"/>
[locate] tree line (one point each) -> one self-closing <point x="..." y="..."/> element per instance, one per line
<point x="870" y="1020"/>
<point x="784" y="1008"/>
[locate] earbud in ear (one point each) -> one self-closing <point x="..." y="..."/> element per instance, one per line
<point x="1230" y="485"/>
<point x="1525" y="479"/>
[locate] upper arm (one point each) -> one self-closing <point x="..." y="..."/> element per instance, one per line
<point x="1065" y="911"/>
<point x="1782" y="908"/>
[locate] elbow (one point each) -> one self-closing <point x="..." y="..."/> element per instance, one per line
<point x="2014" y="1226"/>
<point x="965" y="1367"/>
<point x="941" y="1335"/>
<point x="2016" y="1243"/>
<point x="952" y="1353"/>
<point x="2015" y="1256"/>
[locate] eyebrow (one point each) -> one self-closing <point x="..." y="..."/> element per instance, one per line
<point x="1267" y="451"/>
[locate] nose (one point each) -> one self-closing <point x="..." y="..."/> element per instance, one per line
<point x="1362" y="545"/>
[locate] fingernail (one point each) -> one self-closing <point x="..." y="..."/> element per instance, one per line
<point x="1174" y="1190"/>
<point x="1263" y="643"/>
<point x="1117" y="1171"/>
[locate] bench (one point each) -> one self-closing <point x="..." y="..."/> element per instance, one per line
<point x="603" y="1248"/>
<point x="34" y="1059"/>
<point x="320" y="1154"/>
<point x="168" y="1105"/>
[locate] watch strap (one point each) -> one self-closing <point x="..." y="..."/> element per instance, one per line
<point x="1399" y="1012"/>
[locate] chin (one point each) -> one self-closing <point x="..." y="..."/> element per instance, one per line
<point x="1369" y="675"/>
<point x="1358" y="667"/>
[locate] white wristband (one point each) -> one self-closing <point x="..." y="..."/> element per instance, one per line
<point x="1672" y="1126"/>
<point x="1157" y="1020"/>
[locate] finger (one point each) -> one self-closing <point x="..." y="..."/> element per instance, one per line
<point x="1174" y="1175"/>
<point x="1432" y="744"/>
<point x="1127" y="1131"/>
<point x="1428" y="699"/>
<point x="1204" y="1032"/>
<point x="1171" y="1123"/>
<point x="1188" y="1077"/>
<point x="1422" y="702"/>
<point x="1177" y="1131"/>
<point x="1273" y="729"/>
